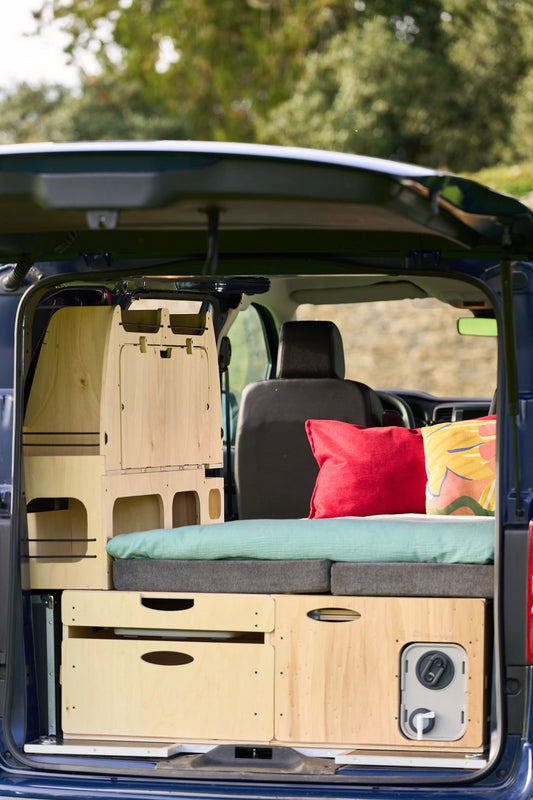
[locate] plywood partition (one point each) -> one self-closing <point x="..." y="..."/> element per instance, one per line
<point x="63" y="414"/>
<point x="98" y="507"/>
<point x="122" y="420"/>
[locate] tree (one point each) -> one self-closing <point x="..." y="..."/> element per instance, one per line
<point x="370" y="93"/>
<point x="220" y="63"/>
<point x="103" y="111"/>
<point x="31" y="114"/>
<point x="432" y="81"/>
<point x="440" y="93"/>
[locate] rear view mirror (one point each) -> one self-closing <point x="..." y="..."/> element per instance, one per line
<point x="477" y="326"/>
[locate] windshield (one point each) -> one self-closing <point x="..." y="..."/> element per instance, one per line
<point x="411" y="344"/>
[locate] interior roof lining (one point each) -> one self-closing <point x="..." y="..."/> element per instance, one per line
<point x="369" y="288"/>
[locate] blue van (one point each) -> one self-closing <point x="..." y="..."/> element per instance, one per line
<point x="266" y="476"/>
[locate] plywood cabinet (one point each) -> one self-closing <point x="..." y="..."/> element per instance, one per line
<point x="167" y="666"/>
<point x="338" y="673"/>
<point x="123" y="420"/>
<point x="298" y="670"/>
<point x="167" y="689"/>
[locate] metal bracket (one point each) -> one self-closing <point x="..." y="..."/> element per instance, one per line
<point x="102" y="220"/>
<point x="423" y="259"/>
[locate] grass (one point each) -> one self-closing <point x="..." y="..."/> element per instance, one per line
<point x="515" y="180"/>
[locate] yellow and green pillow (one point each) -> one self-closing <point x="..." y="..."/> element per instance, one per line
<point x="460" y="467"/>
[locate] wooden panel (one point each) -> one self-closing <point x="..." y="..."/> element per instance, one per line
<point x="66" y="389"/>
<point x="161" y="395"/>
<point x="224" y="691"/>
<point x="337" y="682"/>
<point x="78" y="478"/>
<point x="165" y="406"/>
<point x="220" y="612"/>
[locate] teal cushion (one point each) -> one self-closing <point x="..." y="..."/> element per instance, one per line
<point x="409" y="537"/>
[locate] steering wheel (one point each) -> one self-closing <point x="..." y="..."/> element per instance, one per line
<point x="393" y="401"/>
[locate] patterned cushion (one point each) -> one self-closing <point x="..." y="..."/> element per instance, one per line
<point x="460" y="467"/>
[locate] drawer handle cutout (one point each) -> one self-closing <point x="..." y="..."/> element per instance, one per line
<point x="333" y="614"/>
<point x="166" y="603"/>
<point x="167" y="658"/>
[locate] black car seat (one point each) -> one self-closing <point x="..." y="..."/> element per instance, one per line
<point x="275" y="469"/>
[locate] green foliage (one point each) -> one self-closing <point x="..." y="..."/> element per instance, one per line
<point x="34" y="114"/>
<point x="446" y="83"/>
<point x="440" y="92"/>
<point x="515" y="180"/>
<point x="371" y="93"/>
<point x="103" y="111"/>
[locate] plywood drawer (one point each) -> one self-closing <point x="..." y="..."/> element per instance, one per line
<point x="167" y="690"/>
<point x="168" y="611"/>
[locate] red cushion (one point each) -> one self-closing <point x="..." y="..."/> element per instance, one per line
<point x="365" y="471"/>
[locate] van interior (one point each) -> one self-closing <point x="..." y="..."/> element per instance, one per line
<point x="258" y="526"/>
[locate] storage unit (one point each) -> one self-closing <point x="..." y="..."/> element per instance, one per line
<point x="122" y="421"/>
<point x="317" y="671"/>
<point x="338" y="678"/>
<point x="183" y="667"/>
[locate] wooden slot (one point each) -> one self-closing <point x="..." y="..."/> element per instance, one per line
<point x="167" y="603"/>
<point x="138" y="513"/>
<point x="142" y="321"/>
<point x="215" y="504"/>
<point x="186" y="509"/>
<point x="188" y="324"/>
<point x="333" y="614"/>
<point x="57" y="534"/>
<point x="167" y="658"/>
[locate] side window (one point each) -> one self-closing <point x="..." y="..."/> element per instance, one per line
<point x="250" y="359"/>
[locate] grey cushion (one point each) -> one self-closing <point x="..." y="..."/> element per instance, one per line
<point x="412" y="580"/>
<point x="247" y="576"/>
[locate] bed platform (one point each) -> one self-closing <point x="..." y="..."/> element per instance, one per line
<point x="397" y="555"/>
<point x="305" y="576"/>
<point x="248" y="576"/>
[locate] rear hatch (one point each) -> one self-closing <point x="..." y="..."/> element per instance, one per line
<point x="98" y="243"/>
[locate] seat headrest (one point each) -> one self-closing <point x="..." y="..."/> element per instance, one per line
<point x="310" y="350"/>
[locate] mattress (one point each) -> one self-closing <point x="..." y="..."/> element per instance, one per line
<point x="387" y="538"/>
<point x="404" y="555"/>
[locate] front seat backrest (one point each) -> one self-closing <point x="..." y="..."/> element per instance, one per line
<point x="275" y="469"/>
